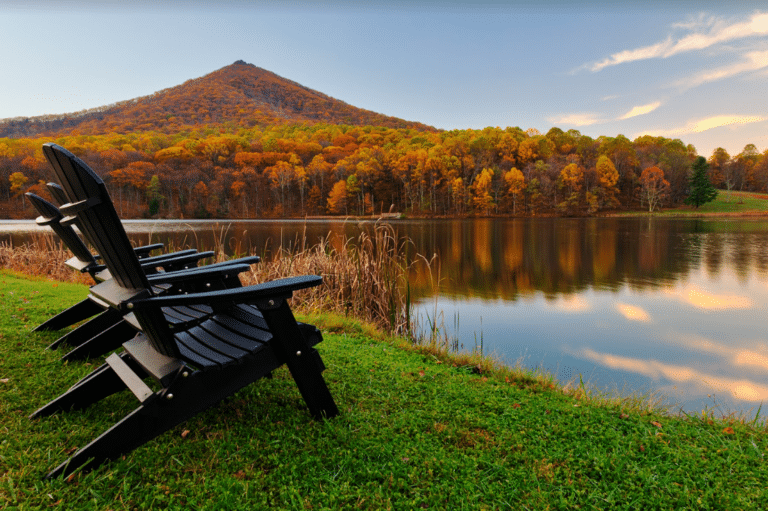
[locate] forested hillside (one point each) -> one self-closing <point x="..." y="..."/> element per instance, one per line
<point x="244" y="143"/>
<point x="240" y="95"/>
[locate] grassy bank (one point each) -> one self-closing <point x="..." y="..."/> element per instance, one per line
<point x="416" y="431"/>
<point x="726" y="204"/>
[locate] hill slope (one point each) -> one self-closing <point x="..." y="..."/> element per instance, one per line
<point x="240" y="94"/>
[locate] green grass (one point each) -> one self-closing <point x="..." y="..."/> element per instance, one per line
<point x="726" y="203"/>
<point x="414" y="432"/>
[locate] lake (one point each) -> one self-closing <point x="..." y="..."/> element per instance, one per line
<point x="676" y="306"/>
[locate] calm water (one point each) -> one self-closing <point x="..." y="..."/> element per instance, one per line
<point x="669" y="305"/>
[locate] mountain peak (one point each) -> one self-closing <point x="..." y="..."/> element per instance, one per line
<point x="240" y="93"/>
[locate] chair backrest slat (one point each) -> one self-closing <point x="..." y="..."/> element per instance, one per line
<point x="67" y="234"/>
<point x="58" y="193"/>
<point x="100" y="223"/>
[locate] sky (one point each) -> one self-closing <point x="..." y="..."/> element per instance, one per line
<point x="697" y="71"/>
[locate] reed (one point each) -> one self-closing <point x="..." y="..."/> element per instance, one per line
<point x="44" y="256"/>
<point x="363" y="277"/>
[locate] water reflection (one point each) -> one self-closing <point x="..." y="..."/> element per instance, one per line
<point x="639" y="304"/>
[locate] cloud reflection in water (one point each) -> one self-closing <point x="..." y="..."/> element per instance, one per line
<point x="694" y="381"/>
<point x="698" y="297"/>
<point x="633" y="313"/>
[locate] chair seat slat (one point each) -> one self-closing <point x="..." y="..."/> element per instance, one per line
<point x="201" y="349"/>
<point x="245" y="329"/>
<point x="219" y="337"/>
<point x="210" y="338"/>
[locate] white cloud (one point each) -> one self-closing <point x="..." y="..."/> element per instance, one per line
<point x="717" y="31"/>
<point x="753" y="61"/>
<point x="702" y="21"/>
<point x="578" y="119"/>
<point x="704" y="125"/>
<point x="641" y="110"/>
<point x="647" y="52"/>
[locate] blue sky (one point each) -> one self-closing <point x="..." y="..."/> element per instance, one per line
<point x="697" y="71"/>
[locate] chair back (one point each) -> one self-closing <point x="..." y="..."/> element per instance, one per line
<point x="92" y="208"/>
<point x="90" y="205"/>
<point x="51" y="216"/>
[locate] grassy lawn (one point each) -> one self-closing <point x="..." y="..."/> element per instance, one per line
<point x="414" y="432"/>
<point x="726" y="204"/>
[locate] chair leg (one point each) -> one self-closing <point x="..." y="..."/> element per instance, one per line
<point x="137" y="428"/>
<point x="104" y="342"/>
<point x="157" y="414"/>
<point x="97" y="385"/>
<point x="291" y="347"/>
<point x="89" y="329"/>
<point x="78" y="312"/>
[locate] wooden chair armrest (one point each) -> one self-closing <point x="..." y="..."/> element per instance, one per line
<point x="203" y="272"/>
<point x="174" y="261"/>
<point x="73" y="208"/>
<point x="144" y="251"/>
<point x="275" y="289"/>
<point x="172" y="255"/>
<point x="45" y="221"/>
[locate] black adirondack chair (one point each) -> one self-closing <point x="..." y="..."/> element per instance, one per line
<point x="107" y="331"/>
<point x="249" y="333"/>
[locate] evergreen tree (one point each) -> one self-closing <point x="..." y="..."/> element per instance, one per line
<point x="702" y="190"/>
<point x="154" y="198"/>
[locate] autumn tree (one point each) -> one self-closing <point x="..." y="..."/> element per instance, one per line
<point x="701" y="190"/>
<point x="515" y="182"/>
<point x="745" y="163"/>
<point x="719" y="174"/>
<point x="281" y="175"/>
<point x="200" y="200"/>
<point x="570" y="182"/>
<point x="319" y="170"/>
<point x="458" y="194"/>
<point x="481" y="191"/>
<point x="607" y="177"/>
<point x="623" y="155"/>
<point x="18" y="180"/>
<point x="654" y="188"/>
<point x="337" y="199"/>
<point x="314" y="199"/>
<point x="761" y="172"/>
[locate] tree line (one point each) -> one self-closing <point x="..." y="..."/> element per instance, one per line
<point x="299" y="169"/>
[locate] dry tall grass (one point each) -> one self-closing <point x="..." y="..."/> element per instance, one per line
<point x="43" y="256"/>
<point x="364" y="277"/>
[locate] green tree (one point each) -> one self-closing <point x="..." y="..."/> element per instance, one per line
<point x="702" y="191"/>
<point x="154" y="198"/>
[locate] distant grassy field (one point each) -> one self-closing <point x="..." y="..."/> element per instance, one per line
<point x="731" y="203"/>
